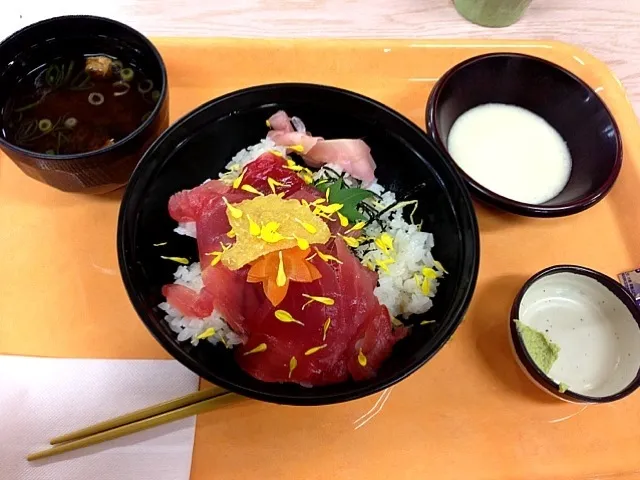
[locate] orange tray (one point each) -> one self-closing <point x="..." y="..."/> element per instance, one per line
<point x="468" y="414"/>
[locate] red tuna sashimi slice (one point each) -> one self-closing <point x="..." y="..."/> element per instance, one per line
<point x="187" y="301"/>
<point x="212" y="226"/>
<point x="235" y="298"/>
<point x="350" y="285"/>
<point x="268" y="166"/>
<point x="376" y="340"/>
<point x="306" y="193"/>
<point x="187" y="205"/>
<point x="287" y="340"/>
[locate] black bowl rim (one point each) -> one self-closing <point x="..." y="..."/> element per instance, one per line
<point x="358" y="391"/>
<point x="513" y="206"/>
<point x="117" y="145"/>
<point x="534" y="371"/>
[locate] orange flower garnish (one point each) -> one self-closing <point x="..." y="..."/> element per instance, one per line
<point x="269" y="269"/>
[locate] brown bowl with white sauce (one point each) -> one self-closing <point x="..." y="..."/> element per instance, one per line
<point x="528" y="136"/>
<point x="82" y="99"/>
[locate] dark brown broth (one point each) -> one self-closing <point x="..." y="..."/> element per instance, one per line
<point x="62" y="93"/>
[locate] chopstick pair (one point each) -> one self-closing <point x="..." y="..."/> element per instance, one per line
<point x="170" y="411"/>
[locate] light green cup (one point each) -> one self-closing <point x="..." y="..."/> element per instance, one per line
<point x="492" y="13"/>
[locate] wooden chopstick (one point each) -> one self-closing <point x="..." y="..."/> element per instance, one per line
<point x="140" y="415"/>
<point x="137" y="426"/>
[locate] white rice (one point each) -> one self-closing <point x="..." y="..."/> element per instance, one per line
<point x="400" y="284"/>
<point x="186" y="228"/>
<point x="249" y="154"/>
<point x="188" y="328"/>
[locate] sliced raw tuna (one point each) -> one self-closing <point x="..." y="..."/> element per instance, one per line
<point x="212" y="227"/>
<point x="205" y="206"/>
<point x="233" y="297"/>
<point x="375" y="339"/>
<point x="307" y="193"/>
<point x="356" y="318"/>
<point x="187" y="301"/>
<point x="271" y="166"/>
<point x="187" y="205"/>
<point x="327" y="344"/>
<point x="287" y="340"/>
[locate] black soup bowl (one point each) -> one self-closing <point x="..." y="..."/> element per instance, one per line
<point x="567" y="103"/>
<point x="43" y="43"/>
<point x="199" y="146"/>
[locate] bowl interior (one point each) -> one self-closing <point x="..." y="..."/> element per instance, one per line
<point x="564" y="101"/>
<point x="73" y="36"/>
<point x="598" y="335"/>
<point x="199" y="146"/>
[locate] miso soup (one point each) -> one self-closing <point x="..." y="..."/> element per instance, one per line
<point x="77" y="105"/>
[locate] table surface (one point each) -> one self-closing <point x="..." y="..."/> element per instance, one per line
<point x="609" y="29"/>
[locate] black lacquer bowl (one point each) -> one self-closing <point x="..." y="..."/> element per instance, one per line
<point x="566" y="102"/>
<point x="97" y="171"/>
<point x="200" y="145"/>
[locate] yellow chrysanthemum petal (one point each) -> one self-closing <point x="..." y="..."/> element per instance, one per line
<point x="238" y="181"/>
<point x="325" y="328"/>
<point x="362" y="360"/>
<point x="439" y="266"/>
<point x="286" y="317"/>
<point x="259" y="349"/>
<point x="313" y="350"/>
<point x="250" y="189"/>
<point x="182" y="260"/>
<point x="357" y="226"/>
<point x="352" y="242"/>
<point x="327" y="258"/>
<point x="281" y="277"/>
<point x="429" y="273"/>
<point x="234" y="211"/>
<point x="293" y="363"/>
<point x="209" y="332"/>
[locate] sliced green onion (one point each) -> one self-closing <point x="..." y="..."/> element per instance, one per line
<point x="45" y="125"/>
<point x="50" y="152"/>
<point x="71" y="122"/>
<point x="155" y="95"/>
<point x="54" y="76"/>
<point x="96" y="98"/>
<point x="126" y="87"/>
<point x="26" y="131"/>
<point x="82" y="81"/>
<point x="29" y="106"/>
<point x="67" y="75"/>
<point x="145" y="86"/>
<point x="127" y="74"/>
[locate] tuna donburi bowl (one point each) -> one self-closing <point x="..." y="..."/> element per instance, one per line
<point x="298" y="244"/>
